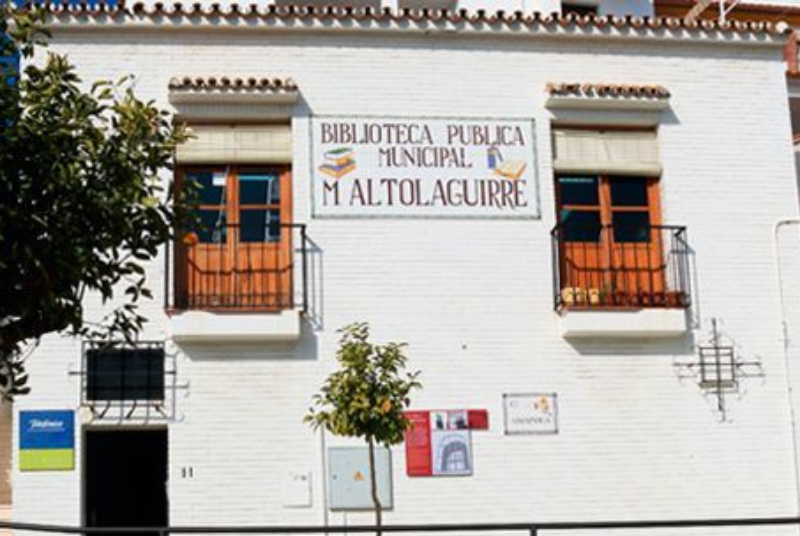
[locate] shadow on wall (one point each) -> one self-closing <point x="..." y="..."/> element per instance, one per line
<point x="666" y="348"/>
<point x="694" y="316"/>
<point x="314" y="314"/>
<point x="310" y="283"/>
<point x="720" y="368"/>
<point x="304" y="349"/>
<point x="340" y="49"/>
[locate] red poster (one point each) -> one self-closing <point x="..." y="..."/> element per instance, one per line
<point x="418" y="444"/>
<point x="478" y="419"/>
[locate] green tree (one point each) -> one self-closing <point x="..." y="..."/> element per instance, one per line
<point x="366" y="396"/>
<point x="82" y="206"/>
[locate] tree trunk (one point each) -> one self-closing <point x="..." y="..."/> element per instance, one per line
<point x="373" y="478"/>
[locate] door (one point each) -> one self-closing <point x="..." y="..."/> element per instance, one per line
<point x="610" y="242"/>
<point x="580" y="240"/>
<point x="239" y="256"/>
<point x="203" y="265"/>
<point x="125" y="479"/>
<point x="636" y="241"/>
<point x="262" y="238"/>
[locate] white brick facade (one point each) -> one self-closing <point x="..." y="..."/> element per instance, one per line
<point x="474" y="298"/>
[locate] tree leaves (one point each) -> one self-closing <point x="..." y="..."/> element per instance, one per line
<point x="82" y="207"/>
<point x="367" y="395"/>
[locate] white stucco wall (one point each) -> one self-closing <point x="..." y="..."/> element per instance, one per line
<point x="473" y="298"/>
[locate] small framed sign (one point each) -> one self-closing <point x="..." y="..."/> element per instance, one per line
<point x="530" y="413"/>
<point x="47" y="440"/>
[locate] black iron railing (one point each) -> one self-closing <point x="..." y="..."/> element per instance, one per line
<point x="234" y="268"/>
<point x="634" y="268"/>
<point x="523" y="529"/>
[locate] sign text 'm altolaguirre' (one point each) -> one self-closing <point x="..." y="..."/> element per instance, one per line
<point x="461" y="160"/>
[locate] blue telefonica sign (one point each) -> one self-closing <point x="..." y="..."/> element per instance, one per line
<point x="46" y="440"/>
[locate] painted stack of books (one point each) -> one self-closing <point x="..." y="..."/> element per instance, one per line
<point x="510" y="169"/>
<point x="338" y="162"/>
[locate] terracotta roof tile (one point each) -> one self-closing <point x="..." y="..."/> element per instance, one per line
<point x="178" y="12"/>
<point x="607" y="90"/>
<point x="226" y="83"/>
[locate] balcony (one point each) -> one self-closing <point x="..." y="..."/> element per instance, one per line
<point x="621" y="284"/>
<point x="235" y="283"/>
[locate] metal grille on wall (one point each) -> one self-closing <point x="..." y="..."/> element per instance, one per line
<point x="719" y="369"/>
<point x="128" y="382"/>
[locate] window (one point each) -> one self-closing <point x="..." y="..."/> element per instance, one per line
<point x="236" y="203"/>
<point x="259" y="206"/>
<point x="579" y="213"/>
<point x="125" y="374"/>
<point x="238" y="254"/>
<point x="612" y="249"/>
<point x="578" y="9"/>
<point x="590" y="204"/>
<point x="211" y="203"/>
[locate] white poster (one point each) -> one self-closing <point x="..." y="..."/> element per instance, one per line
<point x="452" y="452"/>
<point x="418" y="167"/>
<point x="531" y="413"/>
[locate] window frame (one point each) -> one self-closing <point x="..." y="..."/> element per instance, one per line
<point x="235" y="274"/>
<point x="605" y="205"/>
<point x="154" y="392"/>
<point x="232" y="202"/>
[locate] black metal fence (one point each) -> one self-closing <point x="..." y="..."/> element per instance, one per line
<point x="604" y="266"/>
<point x="236" y="268"/>
<point x="523" y="529"/>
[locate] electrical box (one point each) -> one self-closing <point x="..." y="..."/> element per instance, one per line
<point x="296" y="489"/>
<point x="349" y="478"/>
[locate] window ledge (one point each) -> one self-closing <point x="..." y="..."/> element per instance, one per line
<point x="221" y="97"/>
<point x="639" y="323"/>
<point x="204" y="327"/>
<point x="606" y="103"/>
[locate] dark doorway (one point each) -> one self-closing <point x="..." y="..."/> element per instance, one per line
<point x="125" y="473"/>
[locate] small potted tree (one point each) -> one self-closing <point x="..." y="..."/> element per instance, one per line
<point x="366" y="397"/>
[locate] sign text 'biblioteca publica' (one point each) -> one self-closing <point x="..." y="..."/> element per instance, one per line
<point x="394" y="167"/>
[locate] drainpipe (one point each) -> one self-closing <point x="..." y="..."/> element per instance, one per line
<point x="324" y="478"/>
<point x="785" y="340"/>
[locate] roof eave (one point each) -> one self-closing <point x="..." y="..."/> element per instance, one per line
<point x="252" y="17"/>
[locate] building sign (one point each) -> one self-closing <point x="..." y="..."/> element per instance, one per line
<point x="417" y="167"/>
<point x="452" y="453"/>
<point x="46" y="440"/>
<point x="530" y="413"/>
<point x="439" y="442"/>
<point x="419" y="453"/>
